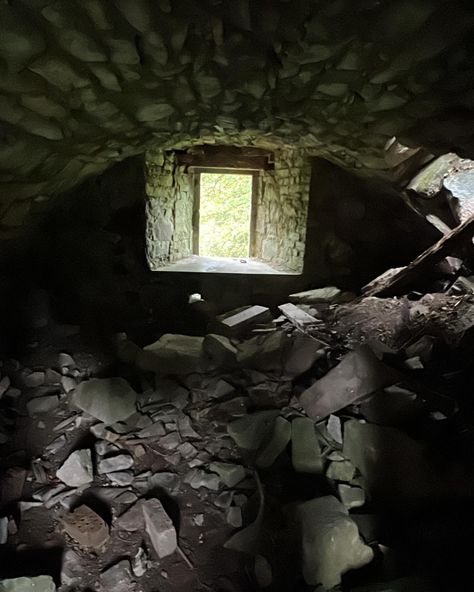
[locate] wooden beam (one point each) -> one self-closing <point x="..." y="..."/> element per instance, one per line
<point x="228" y="157"/>
<point x="452" y="242"/>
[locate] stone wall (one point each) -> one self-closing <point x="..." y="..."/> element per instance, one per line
<point x="169" y="209"/>
<point x="282" y="210"/>
<point x="84" y="84"/>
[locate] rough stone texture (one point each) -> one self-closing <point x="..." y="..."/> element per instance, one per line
<point x="280" y="209"/>
<point x="340" y="79"/>
<point x="160" y="528"/>
<point x="107" y="399"/>
<point x="331" y="542"/>
<point x="38" y="584"/>
<point x="305" y="449"/>
<point x="77" y="469"/>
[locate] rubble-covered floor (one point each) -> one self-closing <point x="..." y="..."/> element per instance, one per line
<point x="326" y="448"/>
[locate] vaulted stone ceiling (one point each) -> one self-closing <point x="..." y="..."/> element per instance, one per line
<point x="85" y="83"/>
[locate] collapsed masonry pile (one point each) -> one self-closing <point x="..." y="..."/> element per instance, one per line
<point x="282" y="439"/>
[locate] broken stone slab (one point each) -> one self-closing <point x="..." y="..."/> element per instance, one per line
<point x="248" y="432"/>
<point x="238" y="323"/>
<point x="301" y="354"/>
<point x="297" y="316"/>
<point x="171" y="441"/>
<point x="351" y="497"/>
<point x="318" y="295"/>
<point x="220" y="350"/>
<point x="340" y="470"/>
<point x="33" y="379"/>
<point x="305" y="449"/>
<point x="334" y="428"/>
<point x="117" y="578"/>
<point x="229" y="473"/>
<point x="174" y="354"/>
<point x="276" y="445"/>
<point x="263" y="352"/>
<point x="393" y="464"/>
<point x="132" y="519"/>
<point x="164" y="480"/>
<point x="42" y="405"/>
<point x="112" y="464"/>
<point x="233" y="517"/>
<point x="37" y="584"/>
<point x="357" y="375"/>
<point x="197" y="478"/>
<point x="331" y="543"/>
<point x="107" y="399"/>
<point x="68" y="384"/>
<point x="66" y="361"/>
<point x="77" y="469"/>
<point x="186" y="429"/>
<point x="155" y="430"/>
<point x="159" y="528"/>
<point x="86" y="527"/>
<point x="121" y="478"/>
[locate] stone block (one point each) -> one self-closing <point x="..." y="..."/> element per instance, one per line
<point x="107" y="399"/>
<point x="173" y="354"/>
<point x="331" y="543"/>
<point x="238" y="323"/>
<point x="305" y="450"/>
<point x="276" y="445"/>
<point x="249" y="431"/>
<point x="359" y="374"/>
<point x="77" y="469"/>
<point x="119" y="462"/>
<point x="86" y="527"/>
<point x="229" y="473"/>
<point x="159" y="528"/>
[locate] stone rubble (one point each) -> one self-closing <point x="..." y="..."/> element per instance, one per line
<point x="246" y="428"/>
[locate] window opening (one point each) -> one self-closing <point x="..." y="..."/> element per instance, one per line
<point x="225" y="214"/>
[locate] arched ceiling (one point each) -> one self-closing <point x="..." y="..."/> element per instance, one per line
<point x="84" y="83"/>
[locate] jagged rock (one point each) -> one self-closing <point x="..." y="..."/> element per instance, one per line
<point x="117" y="578"/>
<point x="340" y="470"/>
<point x="331" y="542"/>
<point x="77" y="469"/>
<point x="358" y="374"/>
<point x="263" y="352"/>
<point x="234" y="517"/>
<point x="230" y="474"/>
<point x="171" y="441"/>
<point x="351" y="497"/>
<point x="121" y="478"/>
<point x="38" y="584"/>
<point x="334" y="428"/>
<point x="56" y="445"/>
<point x="86" y="527"/>
<point x="115" y="463"/>
<point x="41" y="405"/>
<point x="305" y="450"/>
<point x="159" y="528"/>
<point x="34" y="379"/>
<point x="66" y="361"/>
<point x="155" y="430"/>
<point x="107" y="399"/>
<point x="301" y="355"/>
<point x="249" y="431"/>
<point x="318" y="295"/>
<point x="220" y="350"/>
<point x="132" y="519"/>
<point x="186" y="429"/>
<point x="277" y="443"/>
<point x="174" y="354"/>
<point x="198" y="478"/>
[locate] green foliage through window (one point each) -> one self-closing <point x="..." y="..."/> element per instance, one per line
<point x="224" y="216"/>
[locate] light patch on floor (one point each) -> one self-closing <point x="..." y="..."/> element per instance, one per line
<point x="197" y="264"/>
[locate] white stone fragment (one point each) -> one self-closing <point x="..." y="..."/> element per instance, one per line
<point x="159" y="528"/>
<point x="77" y="469"/>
